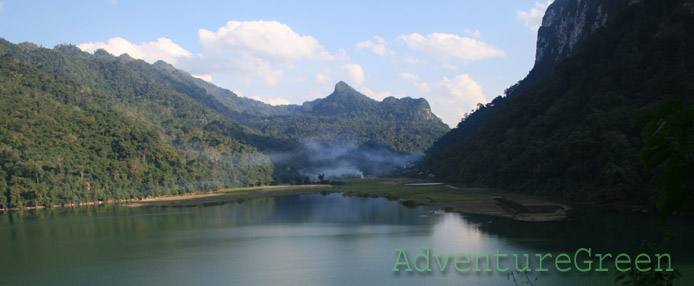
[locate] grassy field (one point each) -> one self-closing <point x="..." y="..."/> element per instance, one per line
<point x="450" y="198"/>
<point x="396" y="188"/>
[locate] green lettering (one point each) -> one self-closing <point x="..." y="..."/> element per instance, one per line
<point x="639" y="261"/>
<point x="401" y="252"/>
<point x="425" y="256"/>
<point x="527" y="263"/>
<point x="445" y="262"/>
<point x="460" y="261"/>
<point x="498" y="262"/>
<point x="566" y="260"/>
<point x="542" y="257"/>
<point x="618" y="260"/>
<point x="602" y="257"/>
<point x="477" y="262"/>
<point x="587" y="262"/>
<point x="669" y="262"/>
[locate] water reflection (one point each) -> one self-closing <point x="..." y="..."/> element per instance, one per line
<point x="293" y="240"/>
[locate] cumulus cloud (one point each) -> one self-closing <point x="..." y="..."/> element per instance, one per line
<point x="270" y="41"/>
<point x="248" y="48"/>
<point x="451" y="98"/>
<point x="354" y="74"/>
<point x="449" y="46"/>
<point x="532" y="19"/>
<point x="378" y="45"/>
<point x="272" y="100"/>
<point x="161" y="49"/>
<point x="267" y="72"/>
<point x="256" y="48"/>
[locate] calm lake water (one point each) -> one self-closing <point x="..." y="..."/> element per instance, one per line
<point x="298" y="240"/>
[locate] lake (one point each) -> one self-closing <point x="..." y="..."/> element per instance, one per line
<point x="309" y="239"/>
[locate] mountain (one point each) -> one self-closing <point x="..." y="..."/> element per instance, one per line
<point x="71" y="133"/>
<point x="82" y="127"/>
<point x="571" y="134"/>
<point x="565" y="25"/>
<point x="346" y="115"/>
<point x="223" y="100"/>
<point x="403" y="125"/>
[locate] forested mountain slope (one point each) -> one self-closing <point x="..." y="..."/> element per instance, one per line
<point x="63" y="142"/>
<point x="565" y="25"/>
<point x="403" y="125"/>
<point x="80" y="126"/>
<point x="572" y="135"/>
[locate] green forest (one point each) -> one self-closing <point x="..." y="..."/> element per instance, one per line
<point x="573" y="135"/>
<point x="56" y="147"/>
<point x="78" y="127"/>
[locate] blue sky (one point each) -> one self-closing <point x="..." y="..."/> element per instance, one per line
<point x="453" y="53"/>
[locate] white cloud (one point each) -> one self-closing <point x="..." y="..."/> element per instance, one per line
<point x="269" y="41"/>
<point x="411" y="61"/>
<point x="474" y="33"/>
<point x="450" y="66"/>
<point x="324" y="77"/>
<point x="378" y="45"/>
<point x="409" y="76"/>
<point x="355" y="73"/>
<point x="272" y="100"/>
<point x="2" y="6"/>
<point x="114" y="2"/>
<point x="205" y="77"/>
<point x="375" y="95"/>
<point x="267" y="72"/>
<point x="341" y="55"/>
<point x="448" y="46"/>
<point x="255" y="48"/>
<point x="452" y="98"/>
<point x="532" y="19"/>
<point x="163" y="49"/>
<point x="251" y="48"/>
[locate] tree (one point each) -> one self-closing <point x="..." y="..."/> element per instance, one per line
<point x="669" y="147"/>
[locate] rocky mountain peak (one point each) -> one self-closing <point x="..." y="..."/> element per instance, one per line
<point x="566" y="24"/>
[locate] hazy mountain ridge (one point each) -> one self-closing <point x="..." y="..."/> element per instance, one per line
<point x="346" y="115"/>
<point x="403" y="125"/>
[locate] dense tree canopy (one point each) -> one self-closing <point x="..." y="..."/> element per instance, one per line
<point x="80" y="127"/>
<point x="64" y="141"/>
<point x="572" y="135"/>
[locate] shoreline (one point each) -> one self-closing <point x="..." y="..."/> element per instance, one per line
<point x="226" y="196"/>
<point x="492" y="202"/>
<point x="409" y="192"/>
<point x="71" y="205"/>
